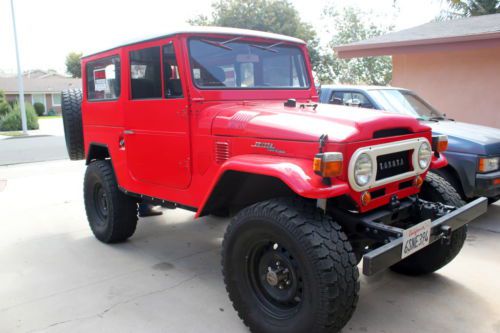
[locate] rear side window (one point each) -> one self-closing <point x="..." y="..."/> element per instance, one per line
<point x="145" y="73"/>
<point x="103" y="79"/>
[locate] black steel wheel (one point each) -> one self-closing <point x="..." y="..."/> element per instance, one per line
<point x="275" y="277"/>
<point x="289" y="268"/>
<point x="112" y="215"/>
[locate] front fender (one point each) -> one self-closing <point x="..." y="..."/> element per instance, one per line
<point x="296" y="173"/>
<point x="438" y="162"/>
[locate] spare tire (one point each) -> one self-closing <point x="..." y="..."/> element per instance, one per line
<point x="71" y="107"/>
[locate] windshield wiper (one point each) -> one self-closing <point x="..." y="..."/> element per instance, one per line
<point x="436" y="118"/>
<point x="221" y="44"/>
<point x="268" y="48"/>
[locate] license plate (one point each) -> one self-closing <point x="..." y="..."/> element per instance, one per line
<point x="416" y="238"/>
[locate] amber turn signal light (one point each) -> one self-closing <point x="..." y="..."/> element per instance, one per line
<point x="418" y="181"/>
<point x="366" y="197"/>
<point x="328" y="164"/>
<point x="439" y="143"/>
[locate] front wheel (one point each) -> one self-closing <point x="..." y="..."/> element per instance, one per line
<point x="288" y="268"/>
<point x="111" y="213"/>
<point x="438" y="254"/>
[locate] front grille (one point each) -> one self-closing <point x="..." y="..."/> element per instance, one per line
<point x="385" y="133"/>
<point x="393" y="164"/>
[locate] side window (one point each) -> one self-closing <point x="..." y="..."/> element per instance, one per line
<point x="145" y="73"/>
<point x="337" y="98"/>
<point x="350" y="99"/>
<point x="171" y="77"/>
<point x="361" y="100"/>
<point x="103" y="79"/>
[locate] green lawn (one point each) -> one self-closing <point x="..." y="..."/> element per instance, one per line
<point x="49" y="117"/>
<point x="12" y="133"/>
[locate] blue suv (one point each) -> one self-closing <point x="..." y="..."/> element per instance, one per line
<point x="473" y="151"/>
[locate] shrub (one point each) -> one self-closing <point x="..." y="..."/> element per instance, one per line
<point x="39" y="108"/>
<point x="4" y="105"/>
<point x="52" y="112"/>
<point x="12" y="120"/>
<point x="4" y="108"/>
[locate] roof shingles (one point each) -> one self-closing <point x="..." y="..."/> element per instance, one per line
<point x="486" y="27"/>
<point x="41" y="85"/>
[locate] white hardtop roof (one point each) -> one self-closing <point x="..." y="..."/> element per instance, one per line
<point x="207" y="30"/>
<point x="362" y="87"/>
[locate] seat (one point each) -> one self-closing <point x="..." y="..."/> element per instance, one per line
<point x="143" y="88"/>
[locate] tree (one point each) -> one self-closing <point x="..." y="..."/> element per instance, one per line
<point x="352" y="25"/>
<point x="278" y="16"/>
<point x="73" y="66"/>
<point x="466" y="8"/>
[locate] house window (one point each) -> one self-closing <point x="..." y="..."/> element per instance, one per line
<point x="38" y="98"/>
<point x="56" y="99"/>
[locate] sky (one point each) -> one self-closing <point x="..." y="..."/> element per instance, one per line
<point x="49" y="29"/>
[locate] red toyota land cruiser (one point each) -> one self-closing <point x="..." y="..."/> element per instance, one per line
<point x="225" y="121"/>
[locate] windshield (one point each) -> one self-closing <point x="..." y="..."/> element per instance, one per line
<point x="404" y="102"/>
<point x="235" y="64"/>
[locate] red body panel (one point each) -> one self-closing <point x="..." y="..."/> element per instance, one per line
<point x="170" y="144"/>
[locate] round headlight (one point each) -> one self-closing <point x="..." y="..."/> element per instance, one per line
<point x="424" y="155"/>
<point x="363" y="170"/>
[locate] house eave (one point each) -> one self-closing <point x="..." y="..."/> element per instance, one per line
<point x="419" y="46"/>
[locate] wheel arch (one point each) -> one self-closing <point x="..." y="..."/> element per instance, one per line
<point x="97" y="151"/>
<point x="247" y="179"/>
<point x="237" y="189"/>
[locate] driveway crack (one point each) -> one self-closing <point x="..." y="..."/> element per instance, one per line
<point x="101" y="314"/>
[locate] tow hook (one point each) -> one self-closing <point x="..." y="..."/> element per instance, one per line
<point x="446" y="235"/>
<point x="394" y="203"/>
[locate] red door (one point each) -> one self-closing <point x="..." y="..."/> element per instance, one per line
<point x="156" y="127"/>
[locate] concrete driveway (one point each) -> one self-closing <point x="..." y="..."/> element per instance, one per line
<point x="56" y="277"/>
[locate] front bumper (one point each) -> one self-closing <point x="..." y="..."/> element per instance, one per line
<point x="390" y="253"/>
<point x="487" y="184"/>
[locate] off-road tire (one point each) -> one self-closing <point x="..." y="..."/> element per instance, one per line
<point x="324" y="261"/>
<point x="114" y="219"/>
<point x="438" y="254"/>
<point x="492" y="200"/>
<point x="71" y="107"/>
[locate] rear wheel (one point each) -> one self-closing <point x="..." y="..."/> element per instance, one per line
<point x="289" y="268"/>
<point x="438" y="254"/>
<point x="71" y="107"/>
<point x="112" y="215"/>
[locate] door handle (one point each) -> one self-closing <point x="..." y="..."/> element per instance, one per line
<point x="128" y="132"/>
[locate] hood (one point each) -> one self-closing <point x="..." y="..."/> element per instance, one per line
<point x="272" y="120"/>
<point x="468" y="138"/>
